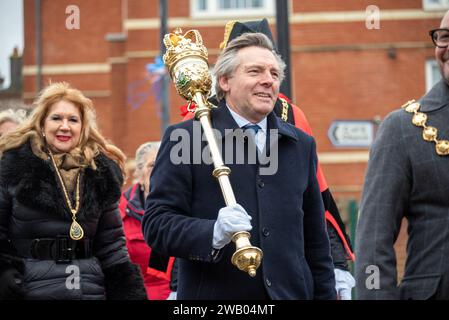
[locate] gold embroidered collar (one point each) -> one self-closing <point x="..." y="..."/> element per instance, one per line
<point x="429" y="133"/>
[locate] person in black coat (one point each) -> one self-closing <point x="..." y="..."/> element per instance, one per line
<point x="341" y="249"/>
<point x="61" y="235"/>
<point x="280" y="202"/>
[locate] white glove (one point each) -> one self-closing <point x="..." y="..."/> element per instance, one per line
<point x="230" y="220"/>
<point x="344" y="282"/>
<point x="172" y="295"/>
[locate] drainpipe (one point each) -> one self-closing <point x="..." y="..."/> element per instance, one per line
<point x="165" y="81"/>
<point x="283" y="41"/>
<point x="38" y="27"/>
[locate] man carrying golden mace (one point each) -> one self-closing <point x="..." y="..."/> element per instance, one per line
<point x="186" y="59"/>
<point x="273" y="163"/>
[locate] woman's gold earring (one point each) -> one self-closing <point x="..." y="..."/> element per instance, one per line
<point x="43" y="134"/>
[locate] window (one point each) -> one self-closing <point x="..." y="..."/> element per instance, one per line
<point x="435" y="4"/>
<point x="202" y="5"/>
<point x="240" y="4"/>
<point x="432" y="73"/>
<point x="231" y="8"/>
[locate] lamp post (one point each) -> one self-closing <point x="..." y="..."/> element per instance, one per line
<point x="165" y="108"/>
<point x="38" y="27"/>
<point x="283" y="42"/>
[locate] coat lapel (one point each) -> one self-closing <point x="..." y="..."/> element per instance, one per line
<point x="436" y="98"/>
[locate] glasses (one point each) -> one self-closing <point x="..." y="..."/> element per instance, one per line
<point x="440" y="37"/>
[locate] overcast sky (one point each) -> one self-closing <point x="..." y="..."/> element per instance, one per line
<point x="11" y="33"/>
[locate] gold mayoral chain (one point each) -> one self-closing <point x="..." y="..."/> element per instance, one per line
<point x="429" y="133"/>
<point x="284" y="115"/>
<point x="76" y="231"/>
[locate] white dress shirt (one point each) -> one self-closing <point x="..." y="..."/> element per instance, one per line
<point x="261" y="135"/>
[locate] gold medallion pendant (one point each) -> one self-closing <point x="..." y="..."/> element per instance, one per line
<point x="76" y="232"/>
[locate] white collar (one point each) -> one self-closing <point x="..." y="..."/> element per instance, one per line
<point x="241" y="121"/>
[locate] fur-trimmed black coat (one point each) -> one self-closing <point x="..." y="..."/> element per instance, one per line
<point x="32" y="205"/>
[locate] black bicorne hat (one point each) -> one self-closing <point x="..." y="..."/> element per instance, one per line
<point x="233" y="29"/>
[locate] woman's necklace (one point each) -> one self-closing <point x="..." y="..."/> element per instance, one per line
<point x="76" y="232"/>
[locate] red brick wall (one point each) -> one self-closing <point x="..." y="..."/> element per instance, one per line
<point x="358" y="77"/>
<point x="352" y="5"/>
<point x="104" y="112"/>
<point x="141" y="40"/>
<point x="29" y="53"/>
<point x="139" y="9"/>
<point x="96" y="81"/>
<point x="344" y="33"/>
<point x="178" y="9"/>
<point x="97" y="18"/>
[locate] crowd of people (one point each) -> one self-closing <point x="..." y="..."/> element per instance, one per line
<point x="69" y="230"/>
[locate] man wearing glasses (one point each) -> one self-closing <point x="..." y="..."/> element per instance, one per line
<point x="408" y="176"/>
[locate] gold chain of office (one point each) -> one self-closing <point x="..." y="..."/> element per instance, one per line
<point x="76" y="231"/>
<point x="284" y="115"/>
<point x="430" y="133"/>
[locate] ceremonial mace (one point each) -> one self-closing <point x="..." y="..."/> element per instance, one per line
<point x="186" y="60"/>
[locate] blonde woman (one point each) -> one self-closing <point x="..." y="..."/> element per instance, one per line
<point x="61" y="235"/>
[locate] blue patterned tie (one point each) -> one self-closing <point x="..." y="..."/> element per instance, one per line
<point x="253" y="129"/>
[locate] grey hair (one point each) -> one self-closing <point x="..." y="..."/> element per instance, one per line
<point x="141" y="156"/>
<point x="228" y="60"/>
<point x="14" y="115"/>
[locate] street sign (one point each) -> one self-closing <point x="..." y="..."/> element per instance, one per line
<point x="351" y="133"/>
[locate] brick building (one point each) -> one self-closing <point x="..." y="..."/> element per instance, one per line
<point x="343" y="66"/>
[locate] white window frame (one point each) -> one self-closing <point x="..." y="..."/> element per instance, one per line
<point x="427" y="5"/>
<point x="431" y="68"/>
<point x="268" y="10"/>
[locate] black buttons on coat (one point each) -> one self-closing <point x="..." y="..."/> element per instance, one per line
<point x="265" y="232"/>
